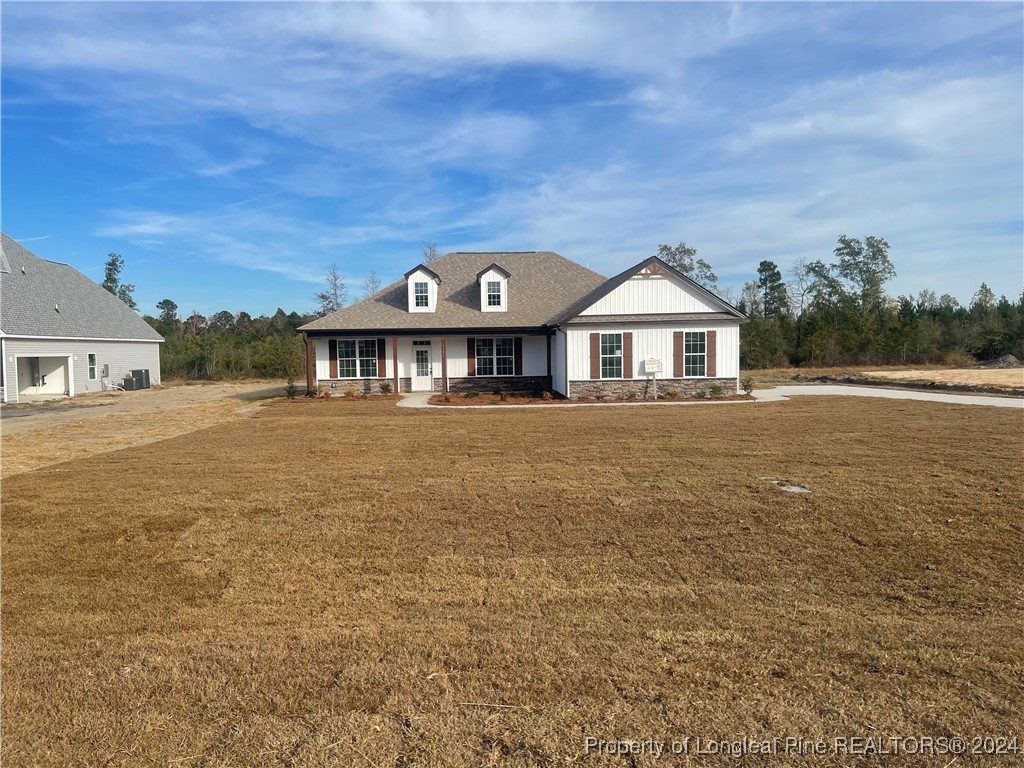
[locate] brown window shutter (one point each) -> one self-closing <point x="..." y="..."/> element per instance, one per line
<point x="382" y="359"/>
<point x="677" y="355"/>
<point x="471" y="356"/>
<point x="332" y="349"/>
<point x="518" y="346"/>
<point x="595" y="355"/>
<point x="627" y="355"/>
<point x="712" y="366"/>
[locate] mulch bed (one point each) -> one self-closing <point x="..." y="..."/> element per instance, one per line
<point x="495" y="399"/>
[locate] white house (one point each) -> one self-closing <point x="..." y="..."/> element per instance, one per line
<point x="529" y="320"/>
<point x="61" y="333"/>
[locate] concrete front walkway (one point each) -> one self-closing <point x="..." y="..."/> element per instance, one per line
<point x="774" y="395"/>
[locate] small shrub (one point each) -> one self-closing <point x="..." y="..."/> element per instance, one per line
<point x="471" y="393"/>
<point x="291" y="391"/>
<point x="548" y="396"/>
<point x="447" y="398"/>
<point x="385" y="387"/>
<point x="672" y="393"/>
<point x="503" y="396"/>
<point x="747" y="382"/>
<point x="717" y="390"/>
<point x="350" y="392"/>
<point x="537" y="395"/>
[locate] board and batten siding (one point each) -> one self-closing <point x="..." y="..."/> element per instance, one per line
<point x="535" y="355"/>
<point x="654" y="342"/>
<point x="120" y="356"/>
<point x="652" y="294"/>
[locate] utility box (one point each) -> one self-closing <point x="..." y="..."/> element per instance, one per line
<point x="142" y="376"/>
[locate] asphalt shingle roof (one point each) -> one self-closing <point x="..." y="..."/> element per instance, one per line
<point x="541" y="285"/>
<point x="33" y="289"/>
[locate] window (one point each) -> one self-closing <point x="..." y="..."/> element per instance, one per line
<point x="694" y="353"/>
<point x="92" y="367"/>
<point x="493" y="293"/>
<point x="422" y="297"/>
<point x="611" y="355"/>
<point x="357" y="359"/>
<point x="495" y="357"/>
<point x="368" y="358"/>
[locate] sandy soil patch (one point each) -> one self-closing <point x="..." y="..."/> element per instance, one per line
<point x="989" y="377"/>
<point x="36" y="435"/>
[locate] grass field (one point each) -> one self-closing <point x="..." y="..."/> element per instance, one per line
<point x="348" y="583"/>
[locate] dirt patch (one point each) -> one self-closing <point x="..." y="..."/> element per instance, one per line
<point x="350" y="583"/>
<point x="979" y="380"/>
<point x="44" y="434"/>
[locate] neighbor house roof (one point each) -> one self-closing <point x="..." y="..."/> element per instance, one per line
<point x="545" y="284"/>
<point x="47" y="298"/>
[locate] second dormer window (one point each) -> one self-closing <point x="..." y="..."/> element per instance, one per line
<point x="493" y="293"/>
<point x="422" y="297"/>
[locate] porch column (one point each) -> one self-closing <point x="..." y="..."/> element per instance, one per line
<point x="310" y="372"/>
<point x="394" y="354"/>
<point x="444" y="366"/>
<point x="549" y="359"/>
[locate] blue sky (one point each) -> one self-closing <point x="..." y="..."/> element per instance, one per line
<point x="231" y="152"/>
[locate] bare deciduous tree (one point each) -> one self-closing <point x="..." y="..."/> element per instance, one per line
<point x="371" y="284"/>
<point x="336" y="295"/>
<point x="430" y="252"/>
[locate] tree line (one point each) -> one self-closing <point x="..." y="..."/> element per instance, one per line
<point x="838" y="313"/>
<point x="820" y="314"/>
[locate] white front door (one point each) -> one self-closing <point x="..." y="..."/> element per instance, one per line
<point x="422" y="367"/>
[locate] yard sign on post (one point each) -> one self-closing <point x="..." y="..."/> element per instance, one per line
<point x="652" y="367"/>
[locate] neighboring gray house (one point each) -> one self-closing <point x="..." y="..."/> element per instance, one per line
<point x="61" y="333"/>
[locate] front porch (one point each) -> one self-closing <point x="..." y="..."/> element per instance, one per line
<point x="489" y="361"/>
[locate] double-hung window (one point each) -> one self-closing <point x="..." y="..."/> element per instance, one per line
<point x="495" y="357"/>
<point x="357" y="359"/>
<point x="92" y="367"/>
<point x="493" y="293"/>
<point x="695" y="353"/>
<point x="611" y="355"/>
<point x="422" y="296"/>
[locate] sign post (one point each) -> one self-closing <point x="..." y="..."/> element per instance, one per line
<point x="652" y="367"/>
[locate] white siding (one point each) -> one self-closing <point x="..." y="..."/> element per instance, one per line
<point x="493" y="275"/>
<point x="655" y="342"/>
<point x="559" y="381"/>
<point x="420" y="276"/>
<point x="120" y="356"/>
<point x="653" y="294"/>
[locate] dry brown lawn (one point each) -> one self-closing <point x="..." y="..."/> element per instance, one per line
<point x="346" y="583"/>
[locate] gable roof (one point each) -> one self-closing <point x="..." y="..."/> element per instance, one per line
<point x="425" y="269"/>
<point x="497" y="268"/>
<point x="546" y="283"/>
<point x="612" y="283"/>
<point x="47" y="298"/>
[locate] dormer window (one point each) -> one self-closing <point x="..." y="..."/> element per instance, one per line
<point x="423" y="283"/>
<point x="493" y="282"/>
<point x="493" y="293"/>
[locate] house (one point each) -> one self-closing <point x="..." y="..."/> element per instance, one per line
<point x="529" y="320"/>
<point x="61" y="333"/>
